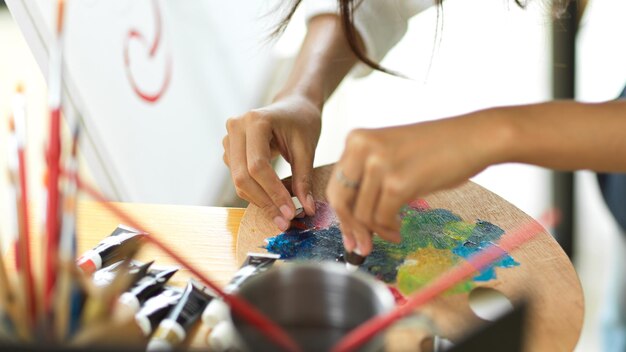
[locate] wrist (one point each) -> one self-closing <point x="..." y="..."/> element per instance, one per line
<point x="305" y="98"/>
<point x="503" y="134"/>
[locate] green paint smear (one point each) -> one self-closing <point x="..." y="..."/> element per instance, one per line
<point x="423" y="229"/>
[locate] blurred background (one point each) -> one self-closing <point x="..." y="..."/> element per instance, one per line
<point x="214" y="61"/>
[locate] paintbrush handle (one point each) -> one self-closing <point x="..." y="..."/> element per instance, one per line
<point x="24" y="247"/>
<point x="357" y="337"/>
<point x="55" y="94"/>
<point x="52" y="209"/>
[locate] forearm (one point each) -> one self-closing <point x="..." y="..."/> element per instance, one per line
<point x="564" y="135"/>
<point x="324" y="60"/>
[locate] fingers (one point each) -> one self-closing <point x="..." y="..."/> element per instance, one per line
<point x="393" y="196"/>
<point x="366" y="192"/>
<point x="342" y="191"/>
<point x="259" y="167"/>
<point x="367" y="198"/>
<point x="341" y="198"/>
<point x="246" y="186"/>
<point x="302" y="170"/>
<point x="226" y="151"/>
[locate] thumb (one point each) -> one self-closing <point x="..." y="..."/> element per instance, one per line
<point x="302" y="180"/>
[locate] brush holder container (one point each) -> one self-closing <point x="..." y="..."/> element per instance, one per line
<point x="316" y="304"/>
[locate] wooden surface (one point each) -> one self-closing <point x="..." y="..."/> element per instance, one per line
<point x="205" y="235"/>
<point x="545" y="277"/>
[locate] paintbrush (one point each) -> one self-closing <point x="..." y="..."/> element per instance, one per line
<point x="238" y="306"/>
<point x="55" y="87"/>
<point x="19" y="114"/>
<point x="510" y="241"/>
<point x="66" y="289"/>
<point x="20" y="213"/>
<point x="16" y="303"/>
<point x="7" y="298"/>
<point x="111" y="334"/>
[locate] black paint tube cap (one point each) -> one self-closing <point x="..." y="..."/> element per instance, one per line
<point x="353" y="258"/>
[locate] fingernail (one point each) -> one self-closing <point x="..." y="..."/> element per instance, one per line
<point x="310" y="202"/>
<point x="286" y="211"/>
<point x="360" y="249"/>
<point x="282" y="224"/>
<point x="348" y="243"/>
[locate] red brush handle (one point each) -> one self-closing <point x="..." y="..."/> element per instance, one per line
<point x="477" y="262"/>
<point x="24" y="253"/>
<point x="52" y="209"/>
<point x="238" y="306"/>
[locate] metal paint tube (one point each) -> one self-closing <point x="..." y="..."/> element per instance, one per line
<point x="145" y="288"/>
<point x="105" y="276"/>
<point x="172" y="331"/>
<point x="156" y="308"/>
<point x="108" y="250"/>
<point x="255" y="264"/>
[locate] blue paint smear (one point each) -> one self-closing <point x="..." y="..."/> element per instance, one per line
<point x="327" y="245"/>
<point x="317" y="245"/>
<point x="306" y="242"/>
<point x="468" y="249"/>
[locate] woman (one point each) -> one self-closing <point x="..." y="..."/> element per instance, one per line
<point x="382" y="169"/>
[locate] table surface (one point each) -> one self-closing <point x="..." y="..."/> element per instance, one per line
<point x="545" y="276"/>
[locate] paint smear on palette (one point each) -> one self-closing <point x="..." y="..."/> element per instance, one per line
<point x="433" y="241"/>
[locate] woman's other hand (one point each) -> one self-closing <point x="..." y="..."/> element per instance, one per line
<point x="380" y="170"/>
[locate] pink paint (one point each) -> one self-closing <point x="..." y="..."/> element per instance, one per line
<point x="419" y="204"/>
<point x="324" y="218"/>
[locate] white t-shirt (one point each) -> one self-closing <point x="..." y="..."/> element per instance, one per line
<point x="380" y="23"/>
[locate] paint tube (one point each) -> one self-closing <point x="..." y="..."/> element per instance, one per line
<point x="109" y="249"/>
<point x="224" y="337"/>
<point x="145" y="288"/>
<point x="172" y="331"/>
<point x="255" y="263"/>
<point x="156" y="308"/>
<point x="106" y="275"/>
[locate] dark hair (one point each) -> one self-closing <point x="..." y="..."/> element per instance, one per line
<point x="346" y="11"/>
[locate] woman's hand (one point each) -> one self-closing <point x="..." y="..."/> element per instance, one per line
<point x="383" y="169"/>
<point x="290" y="127"/>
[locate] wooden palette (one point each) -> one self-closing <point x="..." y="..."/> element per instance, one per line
<point x="545" y="278"/>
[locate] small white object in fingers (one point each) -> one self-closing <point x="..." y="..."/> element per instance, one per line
<point x="297" y="205"/>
